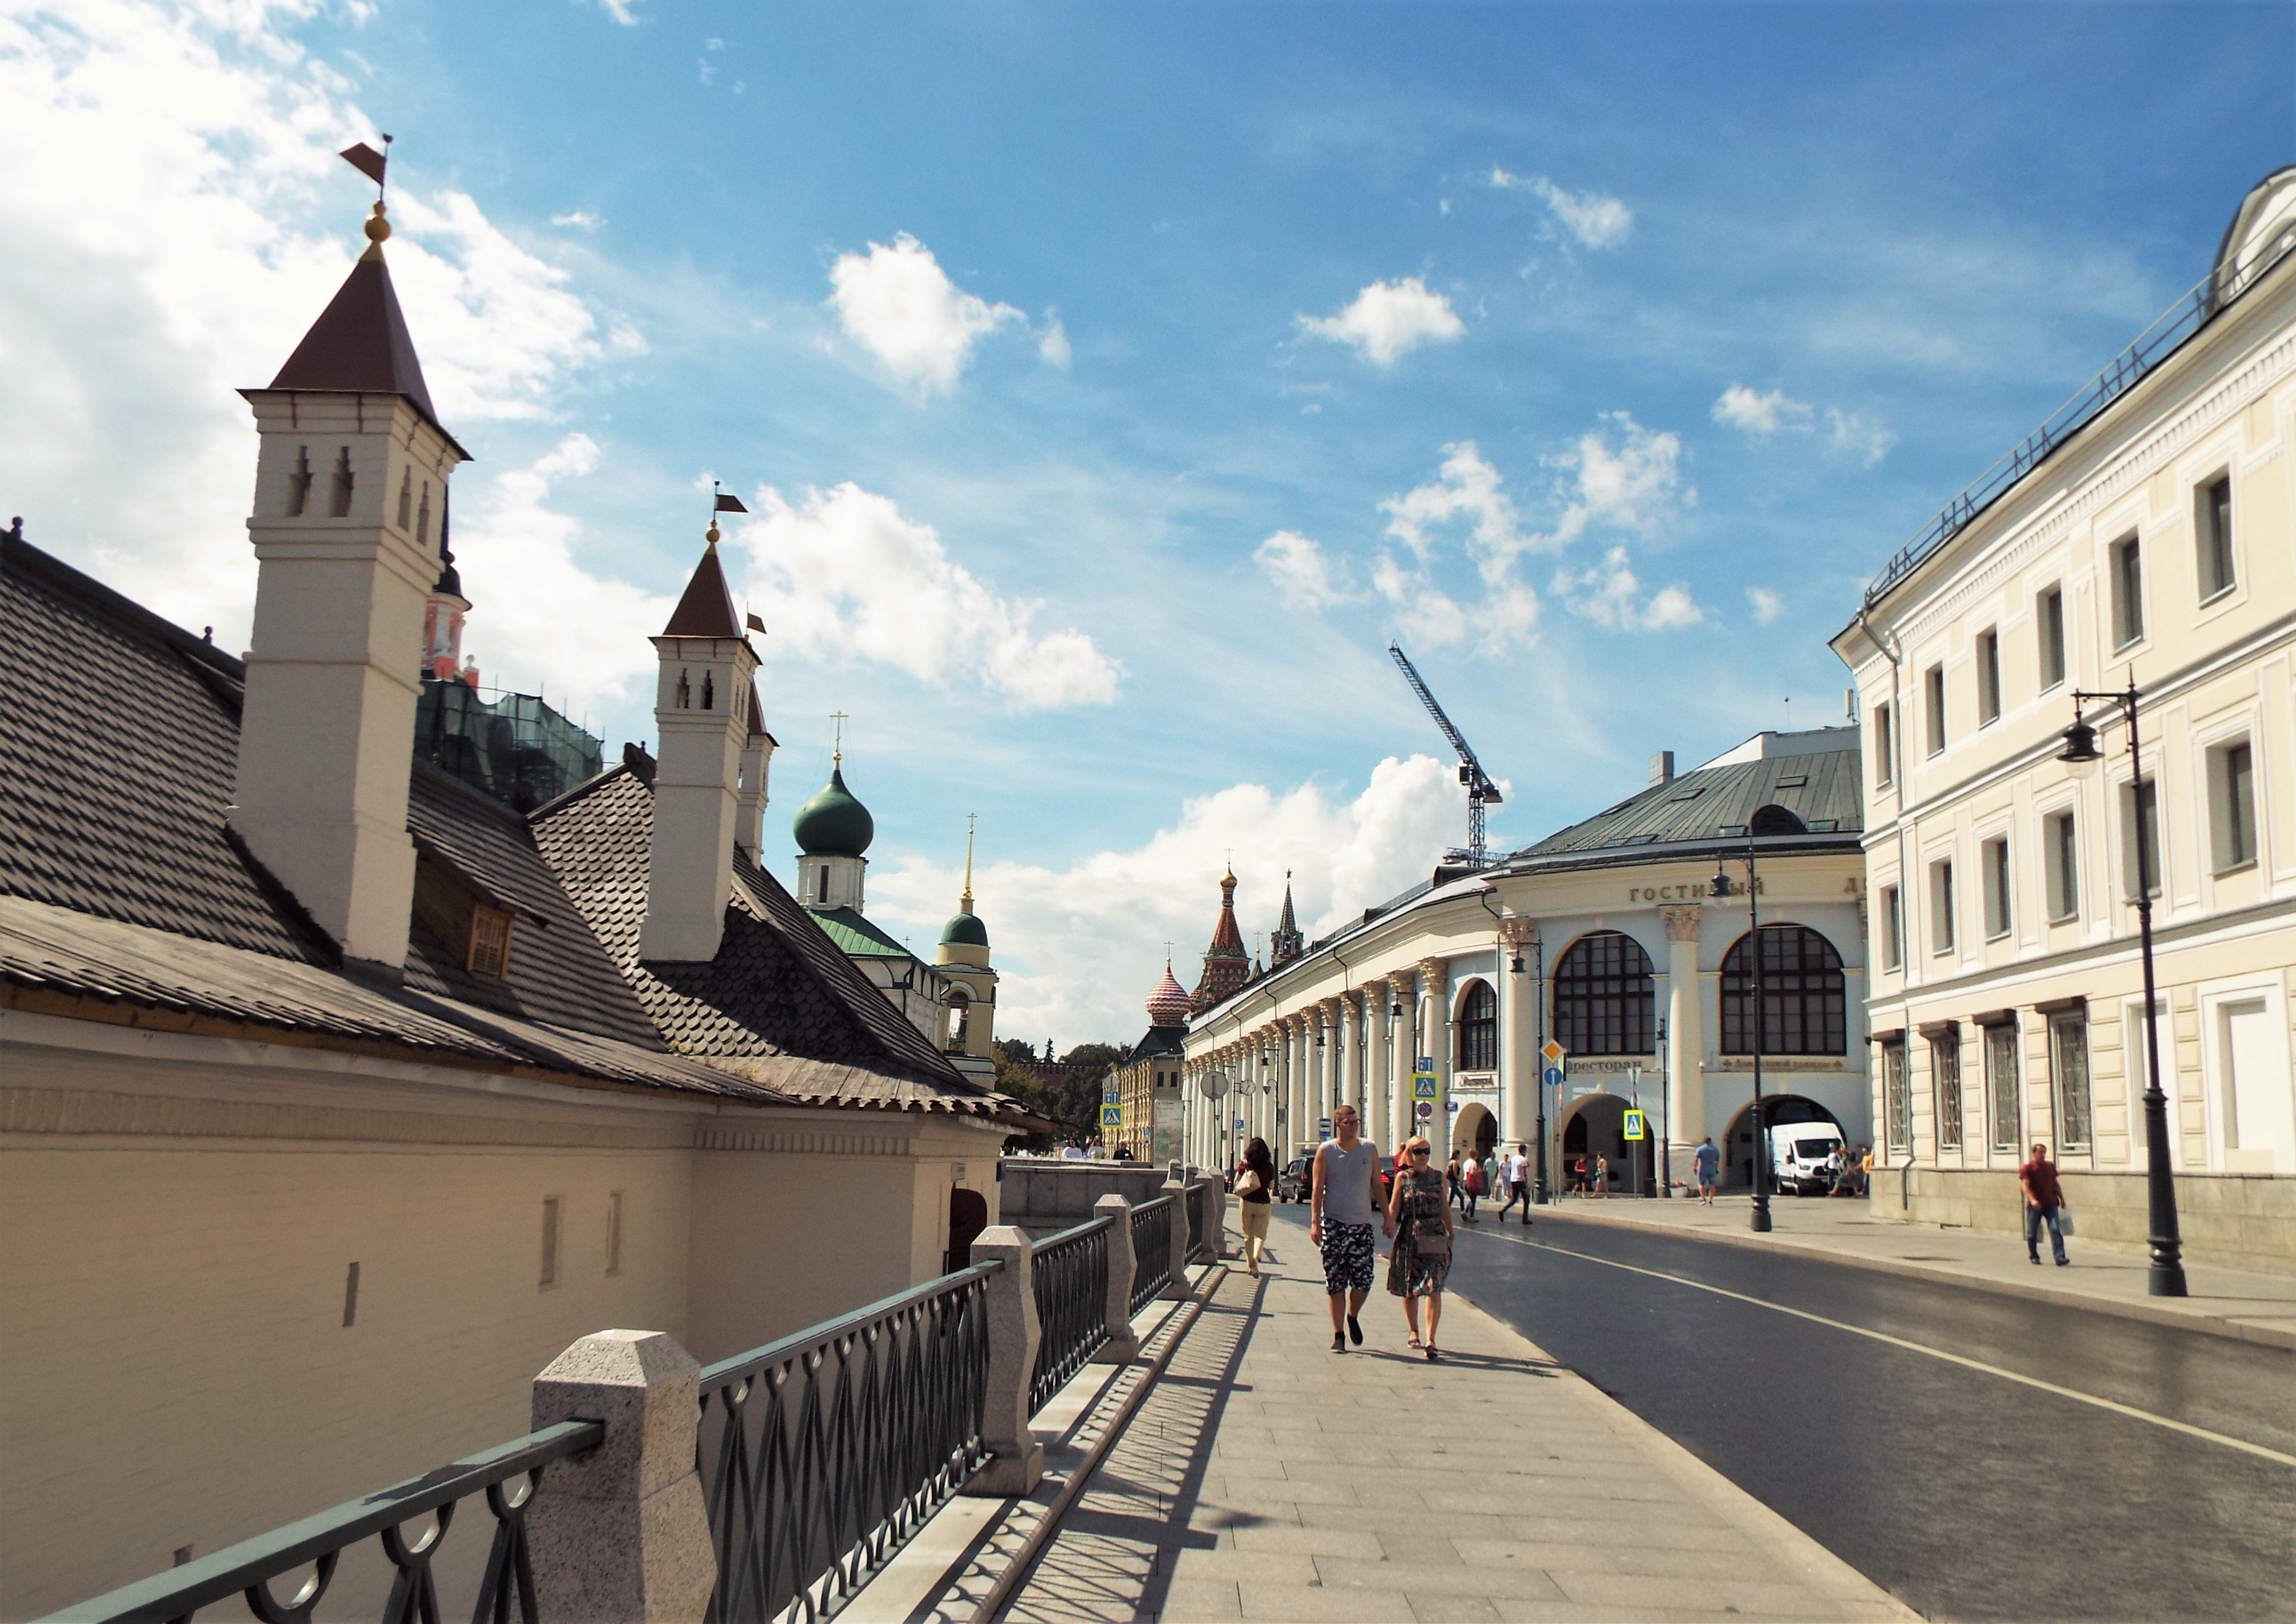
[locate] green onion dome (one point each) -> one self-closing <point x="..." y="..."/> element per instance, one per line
<point x="964" y="930"/>
<point x="833" y="823"/>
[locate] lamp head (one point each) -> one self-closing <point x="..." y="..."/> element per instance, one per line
<point x="1720" y="883"/>
<point x="2080" y="749"/>
<point x="1516" y="965"/>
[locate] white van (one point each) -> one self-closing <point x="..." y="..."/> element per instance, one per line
<point x="1798" y="1157"/>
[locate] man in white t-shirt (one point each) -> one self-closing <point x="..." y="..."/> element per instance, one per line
<point x="1514" y="1177"/>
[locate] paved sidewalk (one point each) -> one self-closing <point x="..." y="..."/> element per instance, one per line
<point x="1264" y="1477"/>
<point x="2232" y="1302"/>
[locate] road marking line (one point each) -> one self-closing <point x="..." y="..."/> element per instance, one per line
<point x="1935" y="1353"/>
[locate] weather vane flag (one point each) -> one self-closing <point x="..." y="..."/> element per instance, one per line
<point x="369" y="162"/>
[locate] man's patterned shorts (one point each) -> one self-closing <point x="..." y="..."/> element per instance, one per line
<point x="1348" y="1257"/>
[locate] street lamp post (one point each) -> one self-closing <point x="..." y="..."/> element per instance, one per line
<point x="1760" y="1167"/>
<point x="2165" y="1277"/>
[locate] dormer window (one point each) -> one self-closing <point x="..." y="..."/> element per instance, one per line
<point x="489" y="942"/>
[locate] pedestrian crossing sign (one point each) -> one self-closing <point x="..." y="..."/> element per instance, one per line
<point x="1637" y="1126"/>
<point x="1423" y="1087"/>
<point x="1111" y="1116"/>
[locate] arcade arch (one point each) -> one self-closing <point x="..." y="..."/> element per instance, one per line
<point x="1595" y="1125"/>
<point x="1778" y="1110"/>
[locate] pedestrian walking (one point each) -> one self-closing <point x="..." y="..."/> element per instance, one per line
<point x="2044" y="1199"/>
<point x="1514" y="1172"/>
<point x="1341" y="1222"/>
<point x="1490" y="1176"/>
<point x="1578" y="1179"/>
<point x="1457" y="1196"/>
<point x="1708" y="1161"/>
<point x="1255" y="1192"/>
<point x="1470" y="1185"/>
<point x="1603" y="1177"/>
<point x="1419" y="1221"/>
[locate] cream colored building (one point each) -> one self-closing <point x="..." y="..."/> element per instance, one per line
<point x="1147" y="1080"/>
<point x="1604" y="938"/>
<point x="2148" y="539"/>
<point x="336" y="1096"/>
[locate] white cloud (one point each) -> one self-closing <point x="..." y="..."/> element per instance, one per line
<point x="1595" y="218"/>
<point x="1388" y="320"/>
<point x="844" y="572"/>
<point x="1079" y="948"/>
<point x="1054" y="345"/>
<point x="624" y="12"/>
<point x="1767" y="604"/>
<point x="579" y="219"/>
<point x="539" y="621"/>
<point x="1623" y="475"/>
<point x="897" y="304"/>
<point x="1859" y="439"/>
<point x="1609" y="594"/>
<point x="1306" y="579"/>
<point x="1757" y="413"/>
<point x="176" y="218"/>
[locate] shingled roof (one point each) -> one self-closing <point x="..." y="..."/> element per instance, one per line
<point x="1713" y="804"/>
<point x="131" y="900"/>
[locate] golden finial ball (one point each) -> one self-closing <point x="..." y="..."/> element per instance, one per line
<point x="710" y="535"/>
<point x="377" y="228"/>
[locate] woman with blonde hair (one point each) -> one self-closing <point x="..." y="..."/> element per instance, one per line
<point x="1419" y="1221"/>
<point x="1255" y="1188"/>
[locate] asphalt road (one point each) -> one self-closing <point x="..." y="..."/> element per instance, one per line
<point x="1967" y="1493"/>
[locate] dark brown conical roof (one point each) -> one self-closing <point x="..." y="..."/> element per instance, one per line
<point x="360" y="343"/>
<point x="707" y="609"/>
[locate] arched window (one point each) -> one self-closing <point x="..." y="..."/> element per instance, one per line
<point x="1479" y="1029"/>
<point x="1603" y="996"/>
<point x="960" y="1012"/>
<point x="1802" y="994"/>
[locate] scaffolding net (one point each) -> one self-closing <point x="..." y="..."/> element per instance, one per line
<point x="512" y="746"/>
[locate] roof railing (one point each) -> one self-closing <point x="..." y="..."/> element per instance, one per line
<point x="2180" y="321"/>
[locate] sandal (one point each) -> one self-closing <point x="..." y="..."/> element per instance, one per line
<point x="1415" y="1342"/>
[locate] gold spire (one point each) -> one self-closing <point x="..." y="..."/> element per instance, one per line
<point x="378" y="231"/>
<point x="971" y="818"/>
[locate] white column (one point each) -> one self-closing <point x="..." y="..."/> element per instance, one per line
<point x="1685" y="1032"/>
<point x="1517" y="1042"/>
<point x="1347" y="1082"/>
<point x="1378" y="1119"/>
<point x="1435" y="989"/>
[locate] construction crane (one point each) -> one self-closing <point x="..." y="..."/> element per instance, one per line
<point x="1480" y="791"/>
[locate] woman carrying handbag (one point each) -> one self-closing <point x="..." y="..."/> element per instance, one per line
<point x="1419" y="1219"/>
<point x="1255" y="1190"/>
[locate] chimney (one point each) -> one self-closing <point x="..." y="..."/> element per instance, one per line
<point x="703" y="713"/>
<point x="1662" y="768"/>
<point x="350" y="477"/>
<point x="750" y="800"/>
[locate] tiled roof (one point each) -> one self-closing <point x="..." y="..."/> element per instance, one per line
<point x="706" y="608"/>
<point x="779" y="991"/>
<point x="1713" y="804"/>
<point x="1160" y="1040"/>
<point x="129" y="896"/>
<point x="360" y="345"/>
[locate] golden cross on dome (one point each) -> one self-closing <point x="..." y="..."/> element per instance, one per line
<point x="838" y="718"/>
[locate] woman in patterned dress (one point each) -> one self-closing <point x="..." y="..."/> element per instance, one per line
<point x="1418" y="1208"/>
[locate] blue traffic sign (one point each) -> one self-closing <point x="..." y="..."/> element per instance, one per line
<point x="1554" y="1077"/>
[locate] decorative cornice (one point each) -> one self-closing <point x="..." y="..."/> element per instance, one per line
<point x="1681" y="921"/>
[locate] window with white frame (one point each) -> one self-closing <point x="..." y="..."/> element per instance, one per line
<point x="1945" y="1084"/>
<point x="1989" y="677"/>
<point x="2002" y="1116"/>
<point x="2212" y="524"/>
<point x="1885" y="745"/>
<point x="1897" y="1098"/>
<point x="1934" y="709"/>
<point x="1941" y="910"/>
<point x="2049" y="622"/>
<point x="2232" y="805"/>
<point x="1893" y="928"/>
<point x="2126" y="562"/>
<point x="2062" y="851"/>
<point x="2140" y="838"/>
<point x="2069" y="1074"/>
<point x="1994" y="866"/>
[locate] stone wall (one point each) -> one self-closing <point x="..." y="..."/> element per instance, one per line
<point x="2231" y="1220"/>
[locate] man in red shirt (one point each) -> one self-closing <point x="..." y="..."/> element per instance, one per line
<point x="2044" y="1196"/>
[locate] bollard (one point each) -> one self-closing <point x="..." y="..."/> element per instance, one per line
<point x="1122" y="1346"/>
<point x="1016" y="1462"/>
<point x="1218" y="1225"/>
<point x="623" y="1533"/>
<point x="1176" y="1290"/>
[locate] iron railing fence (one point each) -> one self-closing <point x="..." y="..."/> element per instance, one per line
<point x="830" y="1447"/>
<point x="1071" y="1285"/>
<point x="1151" y="1248"/>
<point x="1197" y="1200"/>
<point x="2168" y="332"/>
<point x="249" y="1568"/>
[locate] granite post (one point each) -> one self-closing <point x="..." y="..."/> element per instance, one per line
<point x="1016" y="1460"/>
<point x="1176" y="1289"/>
<point x="1122" y="1346"/>
<point x="621" y="1534"/>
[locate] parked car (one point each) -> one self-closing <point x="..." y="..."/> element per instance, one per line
<point x="1799" y="1153"/>
<point x="1291" y="1182"/>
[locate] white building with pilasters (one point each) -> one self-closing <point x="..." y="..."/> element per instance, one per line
<point x="1605" y="939"/>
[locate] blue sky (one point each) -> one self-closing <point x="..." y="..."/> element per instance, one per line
<point x="1111" y="384"/>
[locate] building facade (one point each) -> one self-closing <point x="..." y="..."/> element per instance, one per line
<point x="1148" y="1080"/>
<point x="1605" y="939"/>
<point x="2149" y="541"/>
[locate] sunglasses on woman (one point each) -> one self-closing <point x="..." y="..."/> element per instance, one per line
<point x="1419" y="1152"/>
